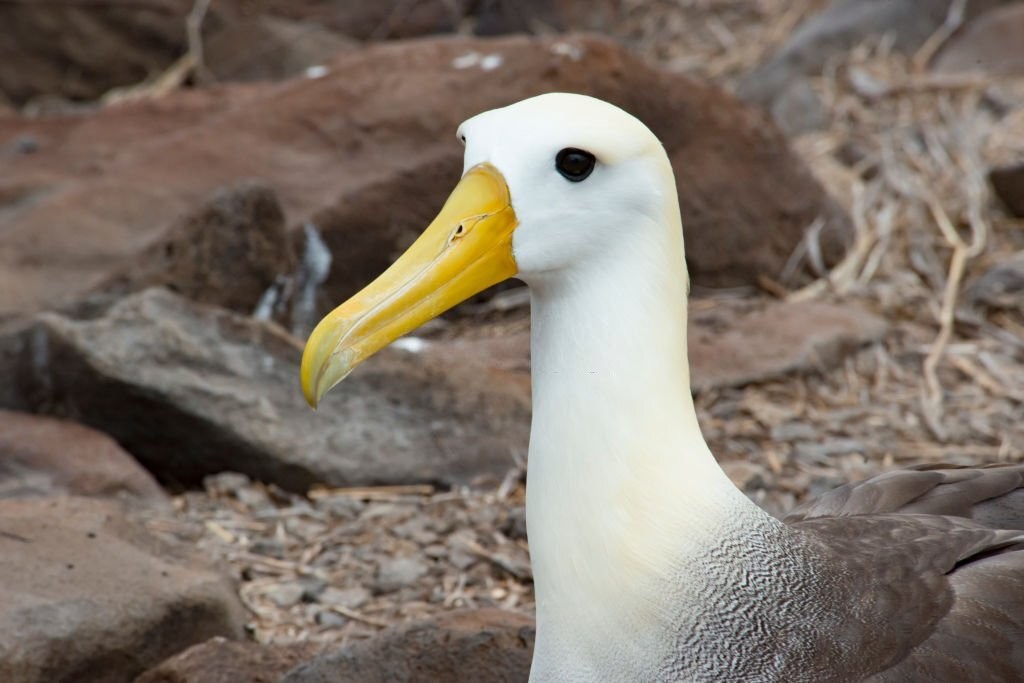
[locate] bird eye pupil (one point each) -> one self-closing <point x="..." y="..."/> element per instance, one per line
<point x="574" y="164"/>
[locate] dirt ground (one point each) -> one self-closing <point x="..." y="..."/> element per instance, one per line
<point x="906" y="154"/>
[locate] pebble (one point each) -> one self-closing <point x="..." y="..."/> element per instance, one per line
<point x="312" y="588"/>
<point x="286" y="595"/>
<point x="1008" y="184"/>
<point x="328" y="618"/>
<point x="794" y="431"/>
<point x="352" y="597"/>
<point x="399" y="572"/>
<point x="514" y="525"/>
<point x="416" y="529"/>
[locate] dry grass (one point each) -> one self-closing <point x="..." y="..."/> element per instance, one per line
<point x="905" y="151"/>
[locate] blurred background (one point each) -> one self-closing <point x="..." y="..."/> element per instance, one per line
<point x="186" y="186"/>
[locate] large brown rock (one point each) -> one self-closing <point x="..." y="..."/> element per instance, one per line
<point x="220" y="660"/>
<point x="390" y="19"/>
<point x="368" y="152"/>
<point x="192" y="390"/>
<point x="88" y="595"/>
<point x="476" y="645"/>
<point x="46" y="456"/>
<point x="729" y="349"/>
<point x="227" y="252"/>
<point x="57" y="51"/>
<point x="79" y="50"/>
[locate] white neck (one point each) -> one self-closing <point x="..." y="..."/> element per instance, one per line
<point x="622" y="488"/>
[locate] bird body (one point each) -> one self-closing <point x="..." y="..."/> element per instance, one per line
<point x="648" y="563"/>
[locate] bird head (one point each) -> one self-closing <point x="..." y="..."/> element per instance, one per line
<point x="552" y="185"/>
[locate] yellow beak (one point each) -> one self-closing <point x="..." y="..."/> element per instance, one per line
<point x="466" y="249"/>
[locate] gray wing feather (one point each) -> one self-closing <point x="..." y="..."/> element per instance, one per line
<point x="934" y="560"/>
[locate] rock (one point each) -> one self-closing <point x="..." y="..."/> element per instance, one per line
<point x="227" y="253"/>
<point x="350" y="598"/>
<point x="385" y="19"/>
<point x="399" y="572"/>
<point x="72" y="52"/>
<point x="1008" y="184"/>
<point x="1000" y="287"/>
<point x="285" y="48"/>
<point x="219" y="660"/>
<point x="286" y="595"/>
<point x="991" y="44"/>
<point x="843" y="25"/>
<point x="44" y="456"/>
<point x="790" y="337"/>
<point x="81" y="51"/>
<point x="88" y="595"/>
<point x="82" y="212"/>
<point x="390" y="19"/>
<point x="192" y="390"/>
<point x="798" y="109"/>
<point x="330" y="619"/>
<point x="728" y="159"/>
<point x="477" y="645"/>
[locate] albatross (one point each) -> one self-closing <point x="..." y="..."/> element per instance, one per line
<point x="648" y="563"/>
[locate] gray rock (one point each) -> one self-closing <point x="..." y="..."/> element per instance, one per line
<point x="192" y="390"/>
<point x="88" y="595"/>
<point x="999" y="287"/>
<point x="798" y="109"/>
<point x="353" y="597"/>
<point x="841" y="26"/>
<point x="286" y="594"/>
<point x="399" y="572"/>
<point x="330" y="619"/>
<point x="476" y="645"/>
<point x="991" y="44"/>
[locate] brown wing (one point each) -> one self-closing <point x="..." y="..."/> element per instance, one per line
<point x="935" y="560"/>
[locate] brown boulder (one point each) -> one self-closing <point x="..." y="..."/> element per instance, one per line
<point x="391" y="19"/>
<point x="58" y="51"/>
<point x="43" y="456"/>
<point x="728" y="159"/>
<point x="219" y="660"/>
<point x="79" y="50"/>
<point x="192" y="390"/>
<point x="476" y="645"/>
<point x="373" y="20"/>
<point x="88" y="595"/>
<point x="97" y="191"/>
<point x="227" y="253"/>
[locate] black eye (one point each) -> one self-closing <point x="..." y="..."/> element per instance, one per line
<point x="574" y="164"/>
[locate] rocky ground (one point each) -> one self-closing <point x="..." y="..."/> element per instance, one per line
<point x="165" y="247"/>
